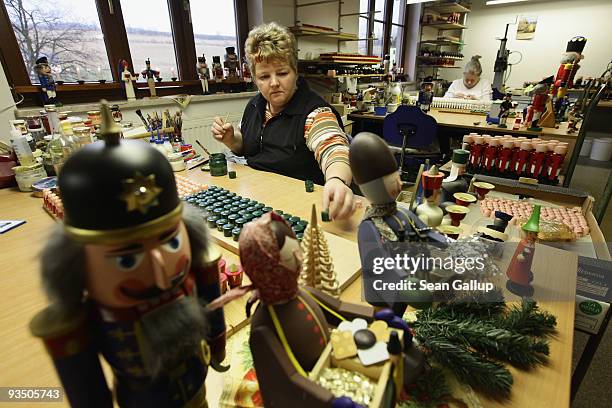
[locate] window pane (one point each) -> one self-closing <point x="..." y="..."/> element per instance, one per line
<point x="395" y="49"/>
<point x="147" y="23"/>
<point x="378" y="42"/>
<point x="213" y="30"/>
<point x="363" y="27"/>
<point x="399" y="7"/>
<point x="67" y="32"/>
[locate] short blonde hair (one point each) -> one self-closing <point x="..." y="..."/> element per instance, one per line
<point x="268" y="42"/>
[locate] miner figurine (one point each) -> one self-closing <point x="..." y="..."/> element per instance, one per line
<point x="150" y="75"/>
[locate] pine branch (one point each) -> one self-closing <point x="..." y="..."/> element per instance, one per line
<point x="482" y="374"/>
<point x="528" y="319"/>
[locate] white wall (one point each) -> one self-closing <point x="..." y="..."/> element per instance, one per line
<point x="7" y="106"/>
<point x="558" y="21"/>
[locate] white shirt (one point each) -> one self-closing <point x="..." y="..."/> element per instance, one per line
<point x="481" y="91"/>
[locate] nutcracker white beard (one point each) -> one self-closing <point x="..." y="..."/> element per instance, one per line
<point x="172" y="333"/>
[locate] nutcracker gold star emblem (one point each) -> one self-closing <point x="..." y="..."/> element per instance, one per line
<point x="140" y="192"/>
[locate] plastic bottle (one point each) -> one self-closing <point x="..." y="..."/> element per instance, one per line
<point x="22" y="148"/>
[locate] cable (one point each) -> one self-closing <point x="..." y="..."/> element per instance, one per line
<point x="507" y="76"/>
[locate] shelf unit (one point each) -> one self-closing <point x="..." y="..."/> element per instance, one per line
<point x="442" y="30"/>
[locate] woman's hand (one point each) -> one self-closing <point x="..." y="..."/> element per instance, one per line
<point x="223" y="131"/>
<point x="338" y="199"/>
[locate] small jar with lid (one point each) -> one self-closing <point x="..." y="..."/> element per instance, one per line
<point x="82" y="134"/>
<point x="218" y="165"/>
<point x="95" y="117"/>
<point x="28" y="175"/>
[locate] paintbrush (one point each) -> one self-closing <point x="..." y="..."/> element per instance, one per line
<point x="203" y="148"/>
<point x="139" y="113"/>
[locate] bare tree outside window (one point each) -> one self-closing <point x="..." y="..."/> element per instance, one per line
<point x="74" y="45"/>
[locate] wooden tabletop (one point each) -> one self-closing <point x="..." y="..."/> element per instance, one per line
<point x="479" y="123"/>
<point x="25" y="361"/>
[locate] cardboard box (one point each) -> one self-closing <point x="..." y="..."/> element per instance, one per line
<point x="593" y="296"/>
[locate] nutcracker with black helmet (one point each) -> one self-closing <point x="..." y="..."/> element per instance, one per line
<point x="386" y="227"/>
<point x="47" y="83"/>
<point x="128" y="275"/>
<point x="564" y="79"/>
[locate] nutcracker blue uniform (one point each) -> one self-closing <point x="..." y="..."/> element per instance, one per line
<point x="386" y="228"/>
<point x="128" y="276"/>
<point x="47" y="83"/>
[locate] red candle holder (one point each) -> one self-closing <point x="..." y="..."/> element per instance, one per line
<point x="450" y="231"/>
<point x="234" y="275"/>
<point x="482" y="189"/>
<point x="457" y="213"/>
<point x="464" y="199"/>
<point x="223" y="282"/>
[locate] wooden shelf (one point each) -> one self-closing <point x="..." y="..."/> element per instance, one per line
<point x="442" y="42"/>
<point x="438" y="66"/>
<point x="435" y="58"/>
<point x="334" y="35"/>
<point x="319" y="62"/>
<point x="446" y="26"/>
<point x="448" y="8"/>
<point x="343" y="76"/>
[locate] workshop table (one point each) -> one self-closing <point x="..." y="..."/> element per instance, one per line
<point x="25" y="361"/>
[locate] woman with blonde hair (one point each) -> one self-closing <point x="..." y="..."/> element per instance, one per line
<point x="471" y="86"/>
<point x="287" y="128"/>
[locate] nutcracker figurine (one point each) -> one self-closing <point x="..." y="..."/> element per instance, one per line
<point x="504" y="110"/>
<point x="291" y="326"/>
<point x="47" y="83"/>
<point x="231" y="63"/>
<point x="204" y="73"/>
<point x="385" y="225"/>
<point x="538" y="104"/>
<point x="150" y="75"/>
<point x="519" y="271"/>
<point x="127" y="275"/>
<point x="128" y="80"/>
<point x="425" y="96"/>
<point x="217" y="68"/>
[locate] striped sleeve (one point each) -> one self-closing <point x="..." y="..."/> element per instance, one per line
<point x="325" y="138"/>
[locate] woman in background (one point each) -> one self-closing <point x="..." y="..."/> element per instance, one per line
<point x="471" y="86"/>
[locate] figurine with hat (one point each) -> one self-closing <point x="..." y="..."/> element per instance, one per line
<point x="504" y="110"/>
<point x="204" y="73"/>
<point x="386" y="226"/>
<point x="150" y="75"/>
<point x="429" y="212"/>
<point x="519" y="271"/>
<point x="292" y="324"/>
<point x="47" y="83"/>
<point x="128" y="275"/>
<point x="538" y="104"/>
<point x="456" y="181"/>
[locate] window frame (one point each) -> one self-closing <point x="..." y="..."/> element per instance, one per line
<point x="387" y="21"/>
<point x="117" y="47"/>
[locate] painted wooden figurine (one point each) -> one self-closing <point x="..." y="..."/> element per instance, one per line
<point x="519" y="271"/>
<point x="385" y="226"/>
<point x="47" y="83"/>
<point x="426" y="96"/>
<point x="151" y="75"/>
<point x="504" y="110"/>
<point x="217" y="68"/>
<point x="291" y="326"/>
<point x="231" y="63"/>
<point x="128" y="80"/>
<point x="429" y="212"/>
<point x="127" y="274"/>
<point x="204" y="73"/>
<point x="538" y="104"/>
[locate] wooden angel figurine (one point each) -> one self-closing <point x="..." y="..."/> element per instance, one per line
<point x="127" y="275"/>
<point x="150" y="75"/>
<point x="291" y="326"/>
<point x="128" y="80"/>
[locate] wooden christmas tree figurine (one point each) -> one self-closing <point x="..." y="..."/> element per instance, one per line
<point x="318" y="267"/>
